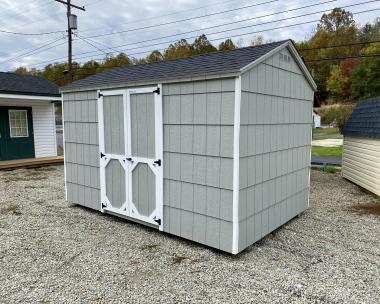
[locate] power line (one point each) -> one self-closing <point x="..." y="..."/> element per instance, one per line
<point x="232" y="35"/>
<point x="33" y="51"/>
<point x="183" y="20"/>
<point x="94" y="46"/>
<point x="30" y="34"/>
<point x="343" y="58"/>
<point x="217" y="26"/>
<point x="238" y="35"/>
<point x="339" y="45"/>
<point x="229" y="30"/>
<point x="165" y="15"/>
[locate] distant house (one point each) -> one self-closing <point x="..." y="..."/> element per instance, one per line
<point x="361" y="146"/>
<point x="27" y="122"/>
<point x="316" y="120"/>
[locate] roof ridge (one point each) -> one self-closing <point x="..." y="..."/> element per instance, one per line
<point x="205" y="54"/>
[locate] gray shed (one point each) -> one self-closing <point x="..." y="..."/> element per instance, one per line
<point x="214" y="148"/>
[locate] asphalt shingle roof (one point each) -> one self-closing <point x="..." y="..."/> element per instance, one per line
<point x="211" y="63"/>
<point x="11" y="83"/>
<point x="364" y="120"/>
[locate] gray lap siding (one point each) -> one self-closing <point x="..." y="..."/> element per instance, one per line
<point x="198" y="122"/>
<point x="275" y="133"/>
<point x="198" y="128"/>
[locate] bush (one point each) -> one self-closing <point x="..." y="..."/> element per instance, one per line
<point x="336" y="115"/>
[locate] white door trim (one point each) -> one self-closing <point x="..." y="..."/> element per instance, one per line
<point x="104" y="158"/>
<point x="156" y="217"/>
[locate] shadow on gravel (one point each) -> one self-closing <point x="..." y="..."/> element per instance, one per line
<point x="368" y="208"/>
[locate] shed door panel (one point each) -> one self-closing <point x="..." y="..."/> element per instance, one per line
<point x="145" y="149"/>
<point x="143" y="125"/>
<point x="113" y="110"/>
<point x="113" y="170"/>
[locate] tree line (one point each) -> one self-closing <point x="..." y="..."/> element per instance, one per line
<point x="337" y="35"/>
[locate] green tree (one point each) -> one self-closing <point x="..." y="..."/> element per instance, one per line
<point x="366" y="75"/>
<point x="178" y="50"/>
<point x="226" y="45"/>
<point x="202" y="45"/>
<point x="155" y="56"/>
<point x="119" y="60"/>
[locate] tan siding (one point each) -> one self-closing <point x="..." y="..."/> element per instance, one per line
<point x="361" y="162"/>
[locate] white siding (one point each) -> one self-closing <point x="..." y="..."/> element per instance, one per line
<point x="361" y="162"/>
<point x="45" y="141"/>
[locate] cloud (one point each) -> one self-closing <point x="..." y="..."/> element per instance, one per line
<point x="107" y="16"/>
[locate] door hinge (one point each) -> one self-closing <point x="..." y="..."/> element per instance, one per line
<point x="100" y="95"/>
<point x="157" y="91"/>
<point x="158" y="221"/>
<point x="104" y="205"/>
<point x="102" y="155"/>
<point x="157" y="162"/>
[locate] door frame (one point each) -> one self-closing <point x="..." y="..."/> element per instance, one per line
<point x="6" y="136"/>
<point x="127" y="161"/>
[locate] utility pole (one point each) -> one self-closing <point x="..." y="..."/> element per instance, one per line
<point x="71" y="25"/>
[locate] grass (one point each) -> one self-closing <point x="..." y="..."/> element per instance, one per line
<point x="325" y="133"/>
<point x="326" y="151"/>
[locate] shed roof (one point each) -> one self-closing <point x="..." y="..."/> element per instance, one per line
<point x="219" y="62"/>
<point x="11" y="83"/>
<point x="364" y="120"/>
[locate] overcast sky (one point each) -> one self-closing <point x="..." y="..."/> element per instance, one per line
<point x="110" y="16"/>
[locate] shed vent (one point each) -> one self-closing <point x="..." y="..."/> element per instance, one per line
<point x="285" y="57"/>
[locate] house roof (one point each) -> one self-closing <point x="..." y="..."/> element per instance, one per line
<point x="364" y="120"/>
<point x="219" y="62"/>
<point x="11" y="83"/>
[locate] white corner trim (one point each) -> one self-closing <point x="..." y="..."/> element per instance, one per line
<point x="296" y="55"/>
<point x="31" y="97"/>
<point x="64" y="145"/>
<point x="236" y="185"/>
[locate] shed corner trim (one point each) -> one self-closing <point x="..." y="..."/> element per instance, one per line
<point x="236" y="158"/>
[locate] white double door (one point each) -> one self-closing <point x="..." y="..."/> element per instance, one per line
<point x="131" y="148"/>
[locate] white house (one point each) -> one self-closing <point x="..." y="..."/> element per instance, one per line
<point x="27" y="118"/>
<point x="316" y="120"/>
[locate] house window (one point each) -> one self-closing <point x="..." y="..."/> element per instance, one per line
<point x="18" y="123"/>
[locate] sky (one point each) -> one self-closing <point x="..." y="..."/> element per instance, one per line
<point x="139" y="27"/>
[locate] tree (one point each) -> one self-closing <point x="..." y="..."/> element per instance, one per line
<point x="119" y="60"/>
<point x="339" y="20"/>
<point x="226" y="45"/>
<point x="336" y="82"/>
<point x="178" y="50"/>
<point x="334" y="28"/>
<point x="202" y="45"/>
<point x="155" y="56"/>
<point x="259" y="40"/>
<point x="366" y="75"/>
<point x="21" y="71"/>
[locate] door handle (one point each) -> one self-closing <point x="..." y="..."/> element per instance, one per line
<point x="157" y="162"/>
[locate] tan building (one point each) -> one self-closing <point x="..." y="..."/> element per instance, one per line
<point x="361" y="146"/>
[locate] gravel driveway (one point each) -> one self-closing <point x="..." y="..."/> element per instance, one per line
<point x="51" y="251"/>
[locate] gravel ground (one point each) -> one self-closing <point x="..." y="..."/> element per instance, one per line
<point x="51" y="251"/>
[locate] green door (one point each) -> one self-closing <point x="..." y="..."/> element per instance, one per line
<point x="16" y="133"/>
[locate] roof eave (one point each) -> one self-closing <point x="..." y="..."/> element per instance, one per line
<point x="195" y="77"/>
